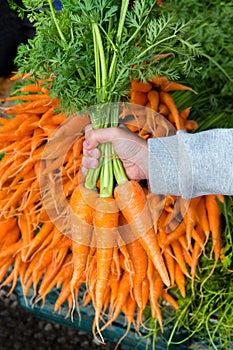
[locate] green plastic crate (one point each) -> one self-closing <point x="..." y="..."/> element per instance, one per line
<point x="115" y="331"/>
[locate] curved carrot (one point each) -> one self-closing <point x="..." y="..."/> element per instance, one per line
<point x="132" y="202"/>
<point x="168" y="100"/>
<point x="184" y="114"/>
<point x="153" y="97"/>
<point x="173" y="86"/>
<point x="169" y="298"/>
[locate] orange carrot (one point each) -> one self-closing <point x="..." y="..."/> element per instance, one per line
<point x="39" y="238"/>
<point x="123" y="293"/>
<point x="138" y="97"/>
<point x="173" y="86"/>
<point x="202" y="217"/>
<point x="153" y="97"/>
<point x="105" y="220"/>
<point x="190" y="125"/>
<point x="169" y="298"/>
<point x="178" y="253"/>
<point x="180" y="280"/>
<point x="167" y="99"/>
<point x="82" y="203"/>
<point x="184" y="114"/>
<point x="214" y="217"/>
<point x="132" y="202"/>
<point x="155" y="290"/>
<point x="138" y="85"/>
<point x="159" y="80"/>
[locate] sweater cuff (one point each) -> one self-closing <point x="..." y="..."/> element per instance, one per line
<point x="167" y="174"/>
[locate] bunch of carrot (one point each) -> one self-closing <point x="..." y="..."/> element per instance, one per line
<point x="153" y="245"/>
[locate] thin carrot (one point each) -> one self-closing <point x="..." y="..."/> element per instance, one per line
<point x="178" y="253"/>
<point x="155" y="291"/>
<point x="82" y="203"/>
<point x="169" y="299"/>
<point x="202" y="217"/>
<point x="167" y="99"/>
<point x="39" y="238"/>
<point x="27" y="233"/>
<point x="132" y="202"/>
<point x="173" y="86"/>
<point x="180" y="280"/>
<point x="214" y="217"/>
<point x="123" y="293"/>
<point x="184" y="114"/>
<point x="105" y="220"/>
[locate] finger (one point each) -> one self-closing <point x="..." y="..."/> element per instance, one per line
<point x="88" y="162"/>
<point x="93" y="153"/>
<point x="84" y="170"/>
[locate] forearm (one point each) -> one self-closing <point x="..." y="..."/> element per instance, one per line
<point x="191" y="165"/>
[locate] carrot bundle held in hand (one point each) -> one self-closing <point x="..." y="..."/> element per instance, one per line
<point x="118" y="275"/>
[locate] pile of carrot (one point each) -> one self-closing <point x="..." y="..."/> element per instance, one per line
<point x="153" y="245"/>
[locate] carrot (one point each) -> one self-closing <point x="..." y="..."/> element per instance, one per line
<point x="28" y="126"/>
<point x="136" y="250"/>
<point x="114" y="284"/>
<point x="138" y="85"/>
<point x="167" y="99"/>
<point x="30" y="97"/>
<point x="62" y="273"/>
<point x="145" y="298"/>
<point x="63" y="295"/>
<point x="176" y="247"/>
<point x="17" y="195"/>
<point x="11" y="250"/>
<point x="153" y="97"/>
<point x="82" y="203"/>
<point x="173" y="86"/>
<point x="6" y="263"/>
<point x="188" y="210"/>
<point x="190" y="125"/>
<point x="197" y="250"/>
<point x="168" y="256"/>
<point x="202" y="217"/>
<point x="132" y="202"/>
<point x="138" y="97"/>
<point x="27" y="233"/>
<point x="129" y="310"/>
<point x="184" y="114"/>
<point x="105" y="220"/>
<point x="180" y="280"/>
<point x="7" y="224"/>
<point x="169" y="298"/>
<point x="159" y="80"/>
<point x="39" y="238"/>
<point x="155" y="290"/>
<point x="163" y="109"/>
<point x="123" y="293"/>
<point x="214" y="217"/>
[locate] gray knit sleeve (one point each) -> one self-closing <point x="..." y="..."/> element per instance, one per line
<point x="191" y="165"/>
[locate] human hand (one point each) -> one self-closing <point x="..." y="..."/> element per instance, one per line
<point x="130" y="148"/>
